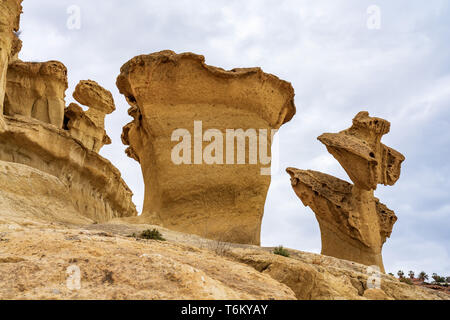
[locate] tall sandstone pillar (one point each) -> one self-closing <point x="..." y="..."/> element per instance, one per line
<point x="168" y="92"/>
<point x="10" y="11"/>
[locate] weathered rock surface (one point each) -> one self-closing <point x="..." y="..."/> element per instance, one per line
<point x="354" y="224"/>
<point x="169" y="91"/>
<point x="35" y="258"/>
<point x="95" y="186"/>
<point x="36" y="90"/>
<point x="63" y="167"/>
<point x="359" y="150"/>
<point x="317" y="277"/>
<point x="9" y="23"/>
<point x="36" y="254"/>
<point x="27" y="194"/>
<point x="2" y="124"/>
<point x="89" y="127"/>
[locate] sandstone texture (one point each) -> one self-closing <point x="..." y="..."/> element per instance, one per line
<point x="359" y="150"/>
<point x="36" y="90"/>
<point x="169" y="91"/>
<point x="95" y="186"/>
<point x="10" y="11"/>
<point x="354" y="224"/>
<point x="89" y="127"/>
<point x="31" y="195"/>
<point x="46" y="159"/>
<point x="39" y="246"/>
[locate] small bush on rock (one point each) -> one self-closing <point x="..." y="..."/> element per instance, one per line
<point x="406" y="280"/>
<point x="281" y="251"/>
<point x="149" y="235"/>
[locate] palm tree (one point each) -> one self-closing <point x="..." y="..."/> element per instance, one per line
<point x="423" y="276"/>
<point x="437" y="278"/>
<point x="401" y="274"/>
<point x="411" y="274"/>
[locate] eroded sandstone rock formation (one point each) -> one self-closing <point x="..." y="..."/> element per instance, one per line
<point x="354" y="224"/>
<point x="34" y="145"/>
<point x="89" y="126"/>
<point x="9" y="24"/>
<point x="36" y="90"/>
<point x="95" y="185"/>
<point x="169" y="91"/>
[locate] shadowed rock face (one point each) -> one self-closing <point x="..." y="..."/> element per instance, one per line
<point x="89" y="127"/>
<point x="9" y="43"/>
<point x="354" y="225"/>
<point x="36" y="90"/>
<point x="169" y="91"/>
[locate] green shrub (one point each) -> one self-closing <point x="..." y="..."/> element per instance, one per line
<point x="406" y="280"/>
<point x="281" y="251"/>
<point x="149" y="235"/>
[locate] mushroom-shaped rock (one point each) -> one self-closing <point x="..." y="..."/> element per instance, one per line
<point x="10" y="11"/>
<point x="36" y="90"/>
<point x="212" y="186"/>
<point x="354" y="224"/>
<point x="89" y="127"/>
<point x="360" y="152"/>
<point x="92" y="95"/>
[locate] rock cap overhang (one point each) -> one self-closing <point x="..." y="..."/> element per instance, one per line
<point x="154" y="60"/>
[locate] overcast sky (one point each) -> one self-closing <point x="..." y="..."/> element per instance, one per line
<point x="337" y="65"/>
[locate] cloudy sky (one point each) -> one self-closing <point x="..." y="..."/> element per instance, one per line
<point x="337" y="65"/>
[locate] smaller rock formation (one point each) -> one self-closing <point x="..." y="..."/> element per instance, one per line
<point x="96" y="188"/>
<point x="36" y="149"/>
<point x="36" y="90"/>
<point x="89" y="127"/>
<point x="168" y="92"/>
<point x="354" y="224"/>
<point x="360" y="152"/>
